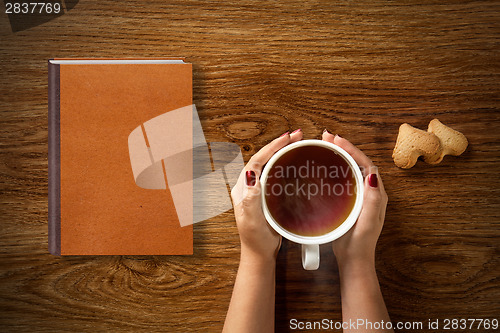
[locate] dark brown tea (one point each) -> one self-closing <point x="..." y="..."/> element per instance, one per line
<point x="310" y="190"/>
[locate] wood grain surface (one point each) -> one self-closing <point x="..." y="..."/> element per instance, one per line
<point x="261" y="68"/>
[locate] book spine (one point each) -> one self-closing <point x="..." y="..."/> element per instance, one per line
<point x="54" y="160"/>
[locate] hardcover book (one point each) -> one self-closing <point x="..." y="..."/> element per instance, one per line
<point x="104" y="198"/>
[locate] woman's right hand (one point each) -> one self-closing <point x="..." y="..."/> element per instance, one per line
<point x="358" y="244"/>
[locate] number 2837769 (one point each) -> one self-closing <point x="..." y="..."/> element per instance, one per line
<point x="32" y="8"/>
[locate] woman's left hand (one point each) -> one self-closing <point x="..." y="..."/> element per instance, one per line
<point x="259" y="242"/>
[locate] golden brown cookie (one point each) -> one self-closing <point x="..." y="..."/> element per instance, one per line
<point x="412" y="143"/>
<point x="453" y="142"/>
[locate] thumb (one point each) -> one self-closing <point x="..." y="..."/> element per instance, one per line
<point x="372" y="200"/>
<point x="252" y="192"/>
<point x="248" y="184"/>
<point x="246" y="194"/>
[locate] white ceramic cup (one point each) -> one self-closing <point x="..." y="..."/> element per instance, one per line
<point x="310" y="244"/>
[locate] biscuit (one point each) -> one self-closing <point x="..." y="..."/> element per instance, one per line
<point x="412" y="143"/>
<point x="453" y="142"/>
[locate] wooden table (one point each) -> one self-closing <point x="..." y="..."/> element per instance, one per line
<point x="261" y="68"/>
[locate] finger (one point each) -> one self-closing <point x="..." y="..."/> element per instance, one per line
<point x="380" y="185"/>
<point x="375" y="170"/>
<point x="327" y="136"/>
<point x="363" y="161"/>
<point x="296" y="135"/>
<point x="260" y="158"/>
<point x="253" y="196"/>
<point x="239" y="190"/>
<point x="251" y="207"/>
<point x="248" y="186"/>
<point x="372" y="204"/>
<point x="257" y="161"/>
<point x="382" y="211"/>
<point x="384" y="198"/>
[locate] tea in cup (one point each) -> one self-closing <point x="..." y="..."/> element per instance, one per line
<point x="312" y="193"/>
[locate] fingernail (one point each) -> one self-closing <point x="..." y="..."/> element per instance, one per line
<point x="282" y="135"/>
<point x="250" y="175"/>
<point x="326" y="131"/>
<point x="296" y="131"/>
<point x="373" y="180"/>
<point x="338" y="136"/>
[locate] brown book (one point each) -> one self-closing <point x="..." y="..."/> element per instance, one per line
<point x="95" y="205"/>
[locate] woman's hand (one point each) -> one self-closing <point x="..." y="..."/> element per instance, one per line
<point x="358" y="244"/>
<point x="258" y="240"/>
<point x="355" y="251"/>
<point x="252" y="303"/>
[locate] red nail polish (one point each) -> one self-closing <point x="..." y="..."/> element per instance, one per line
<point x="250" y="176"/>
<point x="373" y="180"/>
<point x="296" y="131"/>
<point x="282" y="135"/>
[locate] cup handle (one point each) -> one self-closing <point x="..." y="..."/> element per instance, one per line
<point x="310" y="256"/>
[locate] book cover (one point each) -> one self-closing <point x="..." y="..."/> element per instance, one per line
<point x="95" y="205"/>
